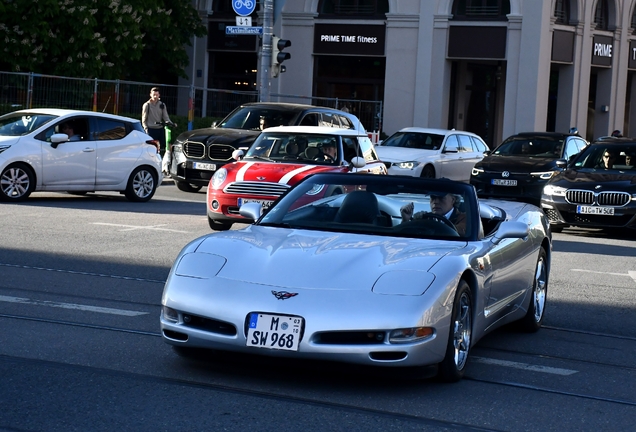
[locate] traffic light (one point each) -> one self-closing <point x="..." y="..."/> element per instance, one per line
<point x="278" y="56"/>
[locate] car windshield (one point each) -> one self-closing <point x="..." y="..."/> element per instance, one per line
<point x="295" y="147"/>
<point x="392" y="206"/>
<point x="254" y="118"/>
<point x="18" y="124"/>
<point x="542" y="147"/>
<point x="621" y="157"/>
<point x="416" y="140"/>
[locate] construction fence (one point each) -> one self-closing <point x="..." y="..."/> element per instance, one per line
<point x="31" y="90"/>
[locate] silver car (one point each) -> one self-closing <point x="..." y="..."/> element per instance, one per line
<point x="376" y="274"/>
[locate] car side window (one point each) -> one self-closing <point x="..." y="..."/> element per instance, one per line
<point x="580" y="144"/>
<point x="328" y="120"/>
<point x="465" y="144"/>
<point x="345" y="123"/>
<point x="570" y="148"/>
<point x="349" y="148"/>
<point x="78" y="125"/>
<point x="451" y="145"/>
<point x="107" y="129"/>
<point x="478" y="145"/>
<point x="366" y="147"/>
<point x="310" y="119"/>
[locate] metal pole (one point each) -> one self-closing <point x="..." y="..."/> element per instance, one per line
<point x="266" y="51"/>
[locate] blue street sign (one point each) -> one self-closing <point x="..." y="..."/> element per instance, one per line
<point x="236" y="30"/>
<point x="244" y="7"/>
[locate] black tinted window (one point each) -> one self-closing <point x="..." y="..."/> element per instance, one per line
<point x="249" y="118"/>
<point x="107" y="129"/>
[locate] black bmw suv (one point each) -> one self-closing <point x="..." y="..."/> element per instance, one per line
<point x="197" y="154"/>
<point x="519" y="167"/>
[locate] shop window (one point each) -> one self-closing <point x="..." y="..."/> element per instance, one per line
<point x="353" y="8"/>
<point x="481" y="9"/>
<point x="601" y="15"/>
<point x="562" y="12"/>
<point x="634" y="22"/>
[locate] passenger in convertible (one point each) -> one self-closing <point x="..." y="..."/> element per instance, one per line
<point x="442" y="204"/>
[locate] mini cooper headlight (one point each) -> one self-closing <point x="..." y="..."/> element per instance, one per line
<point x="407" y="165"/>
<point x="476" y="171"/>
<point x="410" y="334"/>
<point x="219" y="177"/>
<point x="315" y="189"/>
<point x="554" y="190"/>
<point x="546" y="175"/>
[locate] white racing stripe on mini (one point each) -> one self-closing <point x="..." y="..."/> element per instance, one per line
<point x="524" y="366"/>
<point x="287" y="177"/>
<point x="240" y="175"/>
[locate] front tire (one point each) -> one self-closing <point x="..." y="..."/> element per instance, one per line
<point x="533" y="319"/>
<point x="428" y="172"/>
<point x="187" y="187"/>
<point x="17" y="181"/>
<point x="452" y="368"/>
<point x="142" y="184"/>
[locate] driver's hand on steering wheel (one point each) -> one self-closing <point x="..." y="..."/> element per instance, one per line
<point x="406" y="211"/>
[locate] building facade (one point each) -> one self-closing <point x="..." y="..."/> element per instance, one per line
<point x="492" y="67"/>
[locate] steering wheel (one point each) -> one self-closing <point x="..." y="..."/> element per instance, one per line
<point x="435" y="217"/>
<point x="322" y="156"/>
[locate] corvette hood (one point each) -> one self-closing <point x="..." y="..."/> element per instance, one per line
<point x="275" y="172"/>
<point x="234" y="137"/>
<point x="290" y="258"/>
<point x="499" y="163"/>
<point x="401" y="154"/>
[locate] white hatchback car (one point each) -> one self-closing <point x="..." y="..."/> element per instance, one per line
<point x="432" y="153"/>
<point x="78" y="152"/>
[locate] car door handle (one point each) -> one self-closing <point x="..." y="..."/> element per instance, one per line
<point x="88" y="150"/>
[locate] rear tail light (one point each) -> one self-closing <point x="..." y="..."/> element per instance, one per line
<point x="154" y="143"/>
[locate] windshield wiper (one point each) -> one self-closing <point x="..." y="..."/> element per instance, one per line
<point x="275" y="224"/>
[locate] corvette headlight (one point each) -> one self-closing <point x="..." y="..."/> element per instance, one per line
<point x="554" y="190"/>
<point x="219" y="177"/>
<point x="407" y="165"/>
<point x="410" y="334"/>
<point x="170" y="314"/>
<point x="476" y="171"/>
<point x="546" y="175"/>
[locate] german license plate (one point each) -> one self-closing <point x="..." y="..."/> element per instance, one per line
<point x="279" y="332"/>
<point x="204" y="166"/>
<point x="607" y="211"/>
<point x="265" y="204"/>
<point x="504" y="182"/>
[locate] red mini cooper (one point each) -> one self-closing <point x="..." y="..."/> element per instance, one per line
<point x="279" y="158"/>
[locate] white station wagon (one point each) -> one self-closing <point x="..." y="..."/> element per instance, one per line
<point x="78" y="152"/>
<point x="432" y="153"/>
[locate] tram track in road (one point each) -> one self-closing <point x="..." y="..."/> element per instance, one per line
<point x="503" y="383"/>
<point x="421" y="421"/>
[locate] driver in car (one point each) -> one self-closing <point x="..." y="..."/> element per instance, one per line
<point x="328" y="151"/>
<point x="442" y="204"/>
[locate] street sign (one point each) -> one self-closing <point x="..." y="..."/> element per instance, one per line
<point x="238" y="30"/>
<point x="243" y="7"/>
<point x="243" y="21"/>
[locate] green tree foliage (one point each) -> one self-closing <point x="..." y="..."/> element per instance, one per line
<point x="108" y="39"/>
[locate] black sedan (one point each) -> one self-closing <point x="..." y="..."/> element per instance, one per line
<point x="521" y="165"/>
<point x="598" y="189"/>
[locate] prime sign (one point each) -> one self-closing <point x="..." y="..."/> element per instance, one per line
<point x="602" y="50"/>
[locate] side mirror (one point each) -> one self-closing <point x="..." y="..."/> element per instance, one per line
<point x="213" y="124"/>
<point x="58" y="138"/>
<point x="510" y="229"/>
<point x="238" y="154"/>
<point x="448" y="150"/>
<point x="358" y="162"/>
<point x="251" y="211"/>
<point x="561" y="163"/>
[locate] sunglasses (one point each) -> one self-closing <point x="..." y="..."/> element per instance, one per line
<point x="608" y="156"/>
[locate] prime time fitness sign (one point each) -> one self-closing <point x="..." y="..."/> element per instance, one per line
<point x="602" y="48"/>
<point x="349" y="39"/>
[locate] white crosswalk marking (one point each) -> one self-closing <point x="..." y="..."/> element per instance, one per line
<point x="524" y="366"/>
<point x="86" y="308"/>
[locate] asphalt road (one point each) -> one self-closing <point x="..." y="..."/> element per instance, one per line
<point x="81" y="279"/>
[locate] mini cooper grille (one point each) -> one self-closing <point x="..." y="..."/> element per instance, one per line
<point x="602" y="198"/>
<point x="193" y="149"/>
<point x="220" y="152"/>
<point x="256" y="188"/>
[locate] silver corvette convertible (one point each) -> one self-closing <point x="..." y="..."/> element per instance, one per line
<point x="374" y="270"/>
